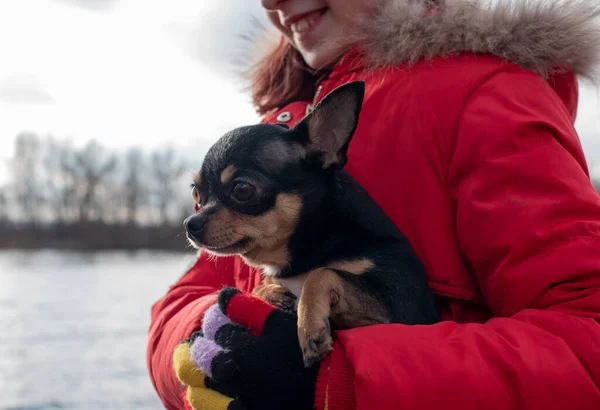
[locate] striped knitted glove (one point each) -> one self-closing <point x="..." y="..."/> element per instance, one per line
<point x="246" y="357"/>
<point x="198" y="393"/>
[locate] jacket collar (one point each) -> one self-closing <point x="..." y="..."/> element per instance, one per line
<point x="546" y="37"/>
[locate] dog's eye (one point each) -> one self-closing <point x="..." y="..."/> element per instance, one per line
<point x="243" y="191"/>
<point x="196" y="195"/>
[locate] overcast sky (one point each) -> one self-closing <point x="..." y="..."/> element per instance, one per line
<point x="125" y="72"/>
<point x="130" y="72"/>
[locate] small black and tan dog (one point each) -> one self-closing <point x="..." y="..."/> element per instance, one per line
<point x="279" y="197"/>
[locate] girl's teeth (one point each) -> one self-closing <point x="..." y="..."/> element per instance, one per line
<point x="302" y="25"/>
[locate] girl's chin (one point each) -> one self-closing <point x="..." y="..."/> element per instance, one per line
<point x="322" y="58"/>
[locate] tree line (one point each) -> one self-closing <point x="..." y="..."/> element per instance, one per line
<point x="61" y="196"/>
<point x="58" y="195"/>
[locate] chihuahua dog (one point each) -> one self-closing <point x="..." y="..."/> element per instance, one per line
<point x="280" y="198"/>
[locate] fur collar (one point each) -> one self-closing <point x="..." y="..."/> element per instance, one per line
<point x="545" y="36"/>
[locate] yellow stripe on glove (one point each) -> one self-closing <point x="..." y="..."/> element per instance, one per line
<point x="185" y="369"/>
<point x="201" y="398"/>
<point x="198" y="395"/>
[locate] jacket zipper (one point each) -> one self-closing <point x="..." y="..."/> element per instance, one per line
<point x="311" y="107"/>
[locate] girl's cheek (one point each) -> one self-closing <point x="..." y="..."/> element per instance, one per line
<point x="274" y="19"/>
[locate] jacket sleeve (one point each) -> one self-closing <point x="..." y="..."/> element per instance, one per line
<point x="528" y="223"/>
<point x="177" y="315"/>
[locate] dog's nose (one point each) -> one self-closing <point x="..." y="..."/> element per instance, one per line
<point x="195" y="224"/>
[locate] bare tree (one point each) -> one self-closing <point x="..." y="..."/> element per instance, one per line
<point x="3" y="205"/>
<point x="166" y="170"/>
<point x="49" y="179"/>
<point x="92" y="165"/>
<point x="134" y="191"/>
<point x="25" y="166"/>
<point x="66" y="188"/>
<point x="67" y="196"/>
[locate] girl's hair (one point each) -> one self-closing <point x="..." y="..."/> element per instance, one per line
<point x="280" y="78"/>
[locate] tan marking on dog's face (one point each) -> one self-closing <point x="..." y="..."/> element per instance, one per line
<point x="268" y="234"/>
<point x="227" y="174"/>
<point x="198" y="178"/>
<point x="356" y="267"/>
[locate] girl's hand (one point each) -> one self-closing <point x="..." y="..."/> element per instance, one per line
<point x="247" y="356"/>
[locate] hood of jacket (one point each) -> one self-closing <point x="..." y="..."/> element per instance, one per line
<point x="545" y="36"/>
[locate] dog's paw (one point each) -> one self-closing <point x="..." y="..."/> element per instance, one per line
<point x="277" y="295"/>
<point x="315" y="341"/>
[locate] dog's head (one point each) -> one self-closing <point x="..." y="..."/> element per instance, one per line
<point x="256" y="181"/>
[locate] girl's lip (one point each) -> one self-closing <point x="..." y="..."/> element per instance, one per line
<point x="287" y="22"/>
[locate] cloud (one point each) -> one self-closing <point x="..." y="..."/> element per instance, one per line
<point x="24" y="88"/>
<point x="91" y="5"/>
<point x="213" y="37"/>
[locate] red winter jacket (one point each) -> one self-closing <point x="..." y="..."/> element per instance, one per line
<point x="477" y="161"/>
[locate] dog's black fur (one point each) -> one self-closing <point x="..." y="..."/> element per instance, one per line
<point x="302" y="215"/>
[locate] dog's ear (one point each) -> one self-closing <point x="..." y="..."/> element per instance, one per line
<point x="330" y="126"/>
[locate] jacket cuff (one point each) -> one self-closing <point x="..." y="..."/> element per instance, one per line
<point x="335" y="382"/>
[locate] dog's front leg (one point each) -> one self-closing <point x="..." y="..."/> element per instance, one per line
<point x="322" y="290"/>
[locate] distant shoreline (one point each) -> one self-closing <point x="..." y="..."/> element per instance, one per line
<point x="84" y="248"/>
<point x="93" y="236"/>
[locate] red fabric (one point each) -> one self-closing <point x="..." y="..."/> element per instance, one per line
<point x="322" y="383"/>
<point x="477" y="162"/>
<point x="249" y="311"/>
<point x="336" y="378"/>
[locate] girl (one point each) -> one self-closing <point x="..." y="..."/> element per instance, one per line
<point x="466" y="140"/>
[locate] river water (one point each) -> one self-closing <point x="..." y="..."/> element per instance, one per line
<point x="73" y="327"/>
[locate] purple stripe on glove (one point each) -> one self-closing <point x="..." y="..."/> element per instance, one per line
<point x="214" y="318"/>
<point x="203" y="351"/>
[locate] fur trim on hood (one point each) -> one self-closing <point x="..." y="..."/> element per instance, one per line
<point x="545" y="36"/>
